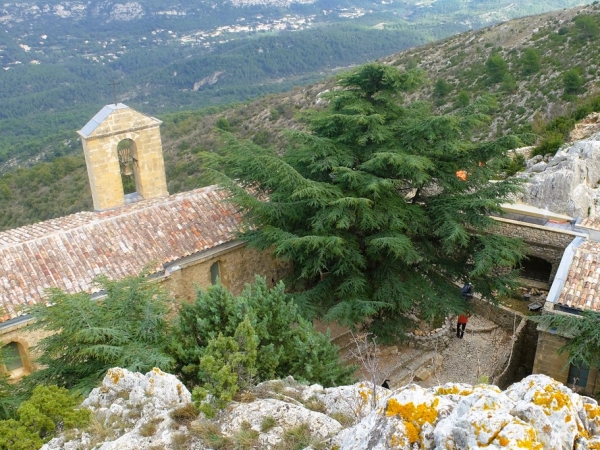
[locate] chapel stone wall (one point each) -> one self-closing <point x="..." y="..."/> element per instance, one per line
<point x="237" y="267"/>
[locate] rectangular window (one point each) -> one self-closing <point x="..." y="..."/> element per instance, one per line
<point x="578" y="374"/>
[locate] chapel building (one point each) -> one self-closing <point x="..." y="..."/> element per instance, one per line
<point x="184" y="240"/>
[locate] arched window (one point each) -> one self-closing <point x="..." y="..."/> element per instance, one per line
<point x="215" y="273"/>
<point x="14" y="359"/>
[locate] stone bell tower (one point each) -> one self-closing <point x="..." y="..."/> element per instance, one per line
<point x="107" y="159"/>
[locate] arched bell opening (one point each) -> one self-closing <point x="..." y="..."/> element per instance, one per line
<point x="128" y="164"/>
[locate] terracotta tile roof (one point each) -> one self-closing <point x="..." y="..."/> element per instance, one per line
<point x="69" y="252"/>
<point x="582" y="286"/>
<point x="591" y="222"/>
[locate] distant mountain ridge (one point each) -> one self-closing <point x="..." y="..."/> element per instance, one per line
<point x="539" y="68"/>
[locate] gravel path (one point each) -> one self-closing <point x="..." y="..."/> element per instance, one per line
<point x="473" y="357"/>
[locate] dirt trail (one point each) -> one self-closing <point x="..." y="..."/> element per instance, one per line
<point x="477" y="355"/>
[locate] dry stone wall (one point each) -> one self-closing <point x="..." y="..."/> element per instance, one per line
<point x="535" y="234"/>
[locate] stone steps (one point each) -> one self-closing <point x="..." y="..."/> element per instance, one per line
<point x="486" y="329"/>
<point x="417" y="366"/>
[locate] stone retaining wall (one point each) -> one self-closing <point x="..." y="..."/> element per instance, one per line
<point x="524" y="340"/>
<point x="545" y="243"/>
<point x="546" y="237"/>
<point x="437" y="339"/>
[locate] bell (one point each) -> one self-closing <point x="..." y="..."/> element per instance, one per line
<point x="127" y="169"/>
<point x="126" y="161"/>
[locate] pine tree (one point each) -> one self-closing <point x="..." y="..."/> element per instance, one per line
<point x="286" y="343"/>
<point x="125" y="329"/>
<point x="368" y="206"/>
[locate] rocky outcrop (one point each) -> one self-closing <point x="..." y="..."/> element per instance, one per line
<point x="536" y="413"/>
<point x="567" y="183"/>
<point x="131" y="411"/>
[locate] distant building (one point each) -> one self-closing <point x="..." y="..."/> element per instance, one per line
<point x="185" y="239"/>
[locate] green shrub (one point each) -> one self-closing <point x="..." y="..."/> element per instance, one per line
<point x="573" y="81"/>
<point x="496" y="68"/>
<point x="48" y="409"/>
<point x="287" y="344"/>
<point x="549" y="144"/>
<point x="516" y="164"/>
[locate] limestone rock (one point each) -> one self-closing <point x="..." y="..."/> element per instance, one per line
<point x="133" y="410"/>
<point x="408" y="417"/>
<point x="567" y="183"/>
<point x="535" y="413"/>
<point x="287" y="416"/>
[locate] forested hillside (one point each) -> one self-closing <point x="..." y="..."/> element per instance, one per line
<point x="195" y="54"/>
<point x="543" y="72"/>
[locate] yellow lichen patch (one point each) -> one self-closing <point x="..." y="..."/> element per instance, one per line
<point x="411" y="432"/>
<point x="503" y="441"/>
<point x="551" y="399"/>
<point x="398" y="441"/>
<point x="568" y="418"/>
<point x="413" y="417"/>
<point x="441" y="390"/>
<point x="115" y="374"/>
<point x="530" y="442"/>
<point x="479" y="429"/>
<point x="595" y="445"/>
<point x="582" y="431"/>
<point x="593" y="411"/>
<point x="364" y="395"/>
<point x="150" y="389"/>
<point x="178" y="389"/>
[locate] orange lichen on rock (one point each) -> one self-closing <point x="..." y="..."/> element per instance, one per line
<point x="531" y="442"/>
<point x="364" y="395"/>
<point x="552" y="399"/>
<point x="398" y="441"/>
<point x="115" y="374"/>
<point x="441" y="390"/>
<point x="592" y="411"/>
<point x="413" y="417"/>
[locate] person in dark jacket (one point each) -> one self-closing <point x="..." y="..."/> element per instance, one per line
<point x="467" y="291"/>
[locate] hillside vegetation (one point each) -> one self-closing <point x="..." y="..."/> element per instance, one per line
<point x="60" y="58"/>
<point x="543" y="71"/>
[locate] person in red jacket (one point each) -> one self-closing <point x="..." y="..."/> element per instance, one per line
<point x="461" y="324"/>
